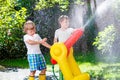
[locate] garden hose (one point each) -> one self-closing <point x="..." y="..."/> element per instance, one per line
<point x="54" y="72"/>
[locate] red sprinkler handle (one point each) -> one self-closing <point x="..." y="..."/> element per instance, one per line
<point x="73" y="38"/>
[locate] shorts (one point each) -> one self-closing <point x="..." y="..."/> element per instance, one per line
<point x="36" y="62"/>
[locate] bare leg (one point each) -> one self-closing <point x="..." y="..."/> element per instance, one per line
<point x="42" y="75"/>
<point x="32" y="73"/>
<point x="43" y="71"/>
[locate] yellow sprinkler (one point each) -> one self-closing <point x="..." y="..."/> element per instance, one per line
<point x="62" y="53"/>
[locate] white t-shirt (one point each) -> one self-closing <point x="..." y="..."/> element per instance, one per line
<point x="63" y="35"/>
<point x="32" y="49"/>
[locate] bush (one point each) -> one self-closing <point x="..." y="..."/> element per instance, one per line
<point x="11" y="22"/>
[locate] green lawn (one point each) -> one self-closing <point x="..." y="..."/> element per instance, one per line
<point x="20" y="63"/>
<point x="87" y="63"/>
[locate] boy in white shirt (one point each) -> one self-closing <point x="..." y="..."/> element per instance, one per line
<point x="35" y="58"/>
<point x="63" y="33"/>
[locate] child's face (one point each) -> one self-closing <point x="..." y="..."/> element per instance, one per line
<point x="64" y="23"/>
<point x="31" y="31"/>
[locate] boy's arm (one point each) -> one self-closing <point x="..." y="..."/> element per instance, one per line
<point x="32" y="42"/>
<point x="55" y="37"/>
<point x="46" y="44"/>
<point x="55" y="40"/>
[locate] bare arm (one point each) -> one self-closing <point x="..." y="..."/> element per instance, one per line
<point x="32" y="42"/>
<point x="43" y="42"/>
<point x="46" y="44"/>
<point x="55" y="40"/>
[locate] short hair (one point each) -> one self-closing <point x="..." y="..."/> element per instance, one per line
<point x="27" y="27"/>
<point x="62" y="17"/>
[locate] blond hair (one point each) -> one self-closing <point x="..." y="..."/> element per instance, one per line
<point x="62" y="17"/>
<point x="28" y="27"/>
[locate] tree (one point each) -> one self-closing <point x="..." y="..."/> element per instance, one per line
<point x="105" y="39"/>
<point x="43" y="4"/>
<point x="11" y="22"/>
<point x="64" y="6"/>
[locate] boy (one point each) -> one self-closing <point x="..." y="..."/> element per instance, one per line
<point x="63" y="33"/>
<point x="35" y="58"/>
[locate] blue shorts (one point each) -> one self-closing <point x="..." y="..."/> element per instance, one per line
<point x="36" y="62"/>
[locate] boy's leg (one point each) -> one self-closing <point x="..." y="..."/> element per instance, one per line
<point x="32" y="74"/>
<point x="42" y="75"/>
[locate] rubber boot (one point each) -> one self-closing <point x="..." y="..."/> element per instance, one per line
<point x="42" y="77"/>
<point x="31" y="78"/>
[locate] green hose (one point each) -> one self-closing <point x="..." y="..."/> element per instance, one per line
<point x="60" y="75"/>
<point x="54" y="72"/>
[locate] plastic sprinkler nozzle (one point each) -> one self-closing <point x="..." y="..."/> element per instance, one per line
<point x="73" y="38"/>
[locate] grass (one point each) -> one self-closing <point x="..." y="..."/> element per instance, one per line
<point x="23" y="63"/>
<point x="20" y="63"/>
<point x="87" y="63"/>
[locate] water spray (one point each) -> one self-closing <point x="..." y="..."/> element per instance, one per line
<point x="101" y="9"/>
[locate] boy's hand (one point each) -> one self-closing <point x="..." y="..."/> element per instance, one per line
<point x="43" y="40"/>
